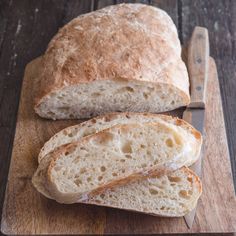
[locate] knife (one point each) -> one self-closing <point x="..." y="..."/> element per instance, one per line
<point x="198" y="65"/>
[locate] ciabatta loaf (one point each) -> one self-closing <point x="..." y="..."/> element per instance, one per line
<point x="76" y="132"/>
<point x="111" y="157"/>
<point x="121" y="58"/>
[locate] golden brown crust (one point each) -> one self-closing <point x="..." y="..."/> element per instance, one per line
<point x="91" y="48"/>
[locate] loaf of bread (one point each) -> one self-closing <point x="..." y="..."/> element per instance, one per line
<point x="170" y="195"/>
<point x="121" y="58"/>
<point x="126" y="152"/>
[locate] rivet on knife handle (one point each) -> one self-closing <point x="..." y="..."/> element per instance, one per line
<point x="198" y="56"/>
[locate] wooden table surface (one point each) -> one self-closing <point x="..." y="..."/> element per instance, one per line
<point x="26" y="27"/>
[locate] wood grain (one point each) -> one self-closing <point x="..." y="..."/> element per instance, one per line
<point x="198" y="63"/>
<point x="220" y="19"/>
<point x="27" y="212"/>
<point x="26" y="27"/>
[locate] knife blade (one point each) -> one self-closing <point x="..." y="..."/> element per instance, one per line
<point x="198" y="64"/>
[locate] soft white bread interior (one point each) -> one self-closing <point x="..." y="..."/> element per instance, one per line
<point x="76" y="132"/>
<point x="112" y="157"/>
<point x="123" y="57"/>
<point x="171" y="195"/>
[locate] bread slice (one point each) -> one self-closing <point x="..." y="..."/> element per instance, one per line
<point x="76" y="132"/>
<point x="123" y="57"/>
<point x="172" y="195"/>
<point x="113" y="157"/>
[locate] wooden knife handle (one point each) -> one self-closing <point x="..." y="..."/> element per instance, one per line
<point x="198" y="63"/>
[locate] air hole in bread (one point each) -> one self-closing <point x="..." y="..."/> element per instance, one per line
<point x="162" y="208"/>
<point x="93" y="121"/>
<point x="67" y="153"/>
<point x="71" y="116"/>
<point x="145" y="95"/>
<point x="153" y="191"/>
<point x="169" y="142"/>
<point x="144" y="165"/>
<point x="122" y="160"/>
<point x="123" y="171"/>
<point x="114" y="174"/>
<point x="129" y="89"/>
<point x="103" y="168"/>
<point x="78" y="182"/>
<point x="126" y="148"/>
<point x="156" y="162"/>
<point x="173" y="103"/>
<point x="89" y="179"/>
<point x="100" y="178"/>
<point x="128" y="156"/>
<point x="184" y="194"/>
<point x="190" y="179"/>
<point x="127" y="116"/>
<point x="174" y="179"/>
<point x="102" y="196"/>
<point x="70" y="135"/>
<point x="96" y="94"/>
<point x="142" y="146"/>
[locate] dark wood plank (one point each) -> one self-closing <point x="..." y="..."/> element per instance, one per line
<point x="220" y="19"/>
<point x="26" y="27"/>
<point x="98" y="4"/>
<point x="170" y="6"/>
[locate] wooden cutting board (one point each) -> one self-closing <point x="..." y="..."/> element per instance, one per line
<point x="28" y="212"/>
